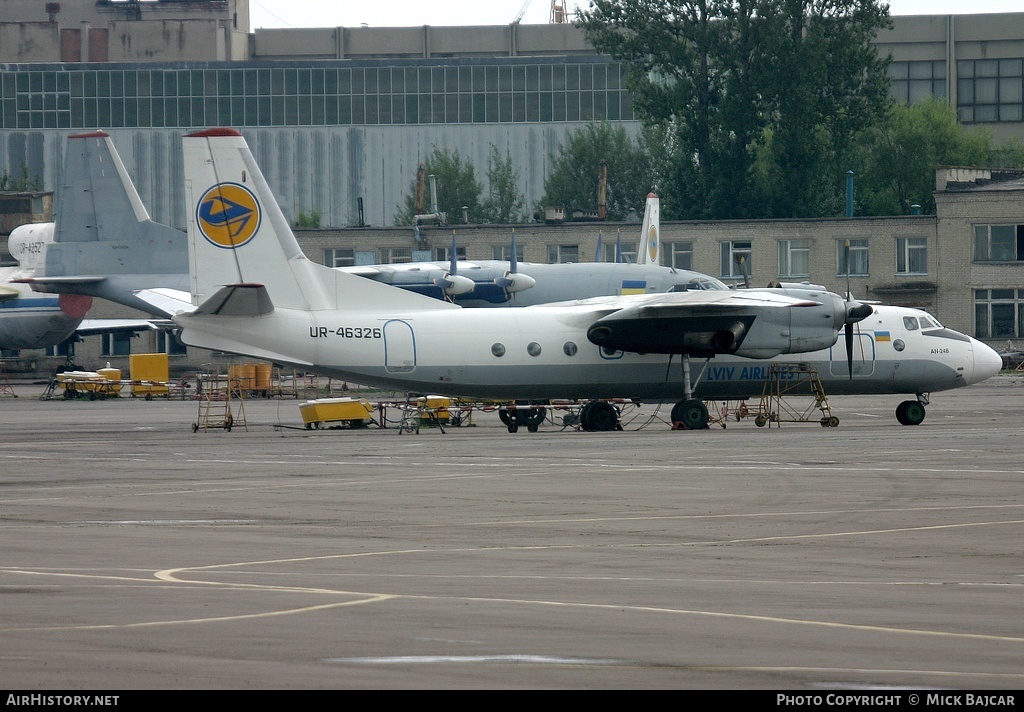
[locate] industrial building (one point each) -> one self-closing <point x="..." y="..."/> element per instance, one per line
<point x="339" y="119"/>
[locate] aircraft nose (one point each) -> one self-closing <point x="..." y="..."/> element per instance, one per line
<point x="987" y="362"/>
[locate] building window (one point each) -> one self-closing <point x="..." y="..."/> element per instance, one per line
<point x="795" y="258"/>
<point x="911" y="255"/>
<point x="990" y="90"/>
<point x="116" y="344"/>
<point x="339" y="258"/>
<point x="444" y="254"/>
<point x="563" y="254"/>
<point x="166" y="343"/>
<point x="504" y="252"/>
<point x="858" y="257"/>
<point x="64" y="348"/>
<point x="998" y="243"/>
<point x="397" y="255"/>
<point x="618" y="252"/>
<point x="678" y="254"/>
<point x="998" y="313"/>
<point x="915" y="81"/>
<point x="735" y="259"/>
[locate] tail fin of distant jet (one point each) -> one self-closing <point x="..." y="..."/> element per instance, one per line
<point x="649" y="251"/>
<point x="238" y="237"/>
<point x="102" y="227"/>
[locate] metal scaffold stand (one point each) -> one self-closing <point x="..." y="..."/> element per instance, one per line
<point x="786" y="385"/>
<point x="217" y="395"/>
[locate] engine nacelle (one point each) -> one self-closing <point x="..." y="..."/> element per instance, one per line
<point x="453" y="284"/>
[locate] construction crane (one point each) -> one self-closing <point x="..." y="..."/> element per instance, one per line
<point x="522" y="11"/>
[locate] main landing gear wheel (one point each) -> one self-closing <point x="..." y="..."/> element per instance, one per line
<point x="691" y="414"/>
<point x="830" y="422"/>
<point x="599" y="416"/>
<point x="910" y="412"/>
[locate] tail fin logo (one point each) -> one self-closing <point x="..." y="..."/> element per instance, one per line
<point x="228" y="215"/>
<point x="652" y="243"/>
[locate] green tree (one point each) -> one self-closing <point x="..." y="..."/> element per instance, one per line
<point x="763" y="98"/>
<point x="575" y="173"/>
<point x="898" y="162"/>
<point x="24" y="184"/>
<point x="457" y="187"/>
<point x="504" y="203"/>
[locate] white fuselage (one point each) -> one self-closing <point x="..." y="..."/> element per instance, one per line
<point x="540" y="354"/>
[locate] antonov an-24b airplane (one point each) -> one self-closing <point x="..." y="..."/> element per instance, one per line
<point x="255" y="293"/>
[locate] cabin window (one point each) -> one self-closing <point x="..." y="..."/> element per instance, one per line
<point x="498" y="350"/>
<point x="569" y="348"/>
<point x="533" y="348"/>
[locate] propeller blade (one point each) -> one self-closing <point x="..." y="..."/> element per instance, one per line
<point x="618" y="246"/>
<point x="597" y="252"/>
<point x="513" y="262"/>
<point x="455" y="261"/>
<point x="849" y="347"/>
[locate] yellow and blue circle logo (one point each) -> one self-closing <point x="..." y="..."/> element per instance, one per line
<point x="228" y="215"/>
<point x="652" y="243"/>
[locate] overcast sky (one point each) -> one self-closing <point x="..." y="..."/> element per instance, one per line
<point x="394" y="13"/>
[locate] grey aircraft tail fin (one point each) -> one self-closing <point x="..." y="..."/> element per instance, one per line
<point x="102" y="227"/>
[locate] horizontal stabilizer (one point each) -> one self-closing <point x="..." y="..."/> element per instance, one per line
<point x="238" y="300"/>
<point x="89" y="327"/>
<point x="40" y="284"/>
<point x="167" y="301"/>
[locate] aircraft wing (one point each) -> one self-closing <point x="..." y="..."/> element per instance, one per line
<point x="700" y="323"/>
<point x="167" y="301"/>
<point x="89" y="327"/>
<point x="7" y="293"/>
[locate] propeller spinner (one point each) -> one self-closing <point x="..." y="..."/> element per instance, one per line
<point x="451" y="282"/>
<point x="513" y="281"/>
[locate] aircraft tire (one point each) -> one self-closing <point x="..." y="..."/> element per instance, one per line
<point x="585" y="416"/>
<point x="603" y="416"/>
<point x="513" y="427"/>
<point x="692" y="414"/>
<point x="505" y="417"/>
<point x="531" y="416"/>
<point x="910" y="412"/>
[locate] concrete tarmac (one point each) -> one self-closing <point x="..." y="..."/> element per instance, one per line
<point x="138" y="555"/>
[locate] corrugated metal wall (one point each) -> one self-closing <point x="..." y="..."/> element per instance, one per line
<point x="309" y="168"/>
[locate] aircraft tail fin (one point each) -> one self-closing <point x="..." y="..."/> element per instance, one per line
<point x="99" y="206"/>
<point x="649" y="252"/>
<point x="239" y="237"/>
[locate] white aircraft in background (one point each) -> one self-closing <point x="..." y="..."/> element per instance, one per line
<point x="254" y="293"/>
<point x="106" y="245"/>
<point x="30" y="320"/>
<point x="497" y="283"/>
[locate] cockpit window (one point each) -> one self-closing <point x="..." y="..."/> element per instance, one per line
<point x="701" y="283"/>
<point x="910" y="323"/>
<point x="928" y="323"/>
